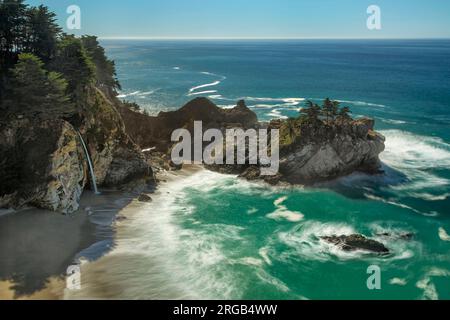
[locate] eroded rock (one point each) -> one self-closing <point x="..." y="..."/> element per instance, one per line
<point x="356" y="242"/>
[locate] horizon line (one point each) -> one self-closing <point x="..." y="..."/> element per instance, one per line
<point x="270" y="38"/>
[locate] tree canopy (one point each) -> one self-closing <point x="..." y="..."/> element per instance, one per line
<point x="32" y="33"/>
<point x="32" y="89"/>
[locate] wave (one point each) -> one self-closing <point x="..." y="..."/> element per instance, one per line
<point x="282" y="212"/>
<point x="212" y="84"/>
<point x="306" y="243"/>
<point x="275" y="113"/>
<point x="426" y="284"/>
<point x="128" y="94"/>
<point x="393" y="121"/>
<point x="363" y="103"/>
<point x="417" y="156"/>
<point x="202" y="92"/>
<point x="443" y="235"/>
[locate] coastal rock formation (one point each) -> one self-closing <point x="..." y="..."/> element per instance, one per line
<point x="316" y="154"/>
<point x="357" y="242"/>
<point x="116" y="158"/>
<point x="155" y="131"/>
<point x="334" y="153"/>
<point x="42" y="165"/>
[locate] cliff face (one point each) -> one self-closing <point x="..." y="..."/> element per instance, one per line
<point x="43" y="163"/>
<point x="321" y="153"/>
<point x="116" y="158"/>
<point x="149" y="132"/>
<point x="340" y="151"/>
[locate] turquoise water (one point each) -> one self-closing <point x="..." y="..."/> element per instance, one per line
<point x="220" y="237"/>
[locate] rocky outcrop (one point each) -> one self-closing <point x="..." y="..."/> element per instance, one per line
<point x="155" y="132"/>
<point x="337" y="152"/>
<point x="317" y="153"/>
<point x="116" y="158"/>
<point x="42" y="165"/>
<point x="357" y="242"/>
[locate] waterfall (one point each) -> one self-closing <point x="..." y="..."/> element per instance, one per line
<point x="91" y="168"/>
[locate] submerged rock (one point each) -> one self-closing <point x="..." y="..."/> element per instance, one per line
<point x="356" y="242"/>
<point x="144" y="198"/>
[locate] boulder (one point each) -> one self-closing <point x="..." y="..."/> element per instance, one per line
<point x="356" y="242"/>
<point x="144" y="198"/>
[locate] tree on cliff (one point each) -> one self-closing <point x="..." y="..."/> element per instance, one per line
<point x="12" y="30"/>
<point x="329" y="109"/>
<point x="42" y="33"/>
<point x="310" y="113"/>
<point x="33" y="90"/>
<point x="105" y="69"/>
<point x="344" y="114"/>
<point x="73" y="62"/>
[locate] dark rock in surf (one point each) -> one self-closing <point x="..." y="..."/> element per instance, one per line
<point x="356" y="242"/>
<point x="144" y="198"/>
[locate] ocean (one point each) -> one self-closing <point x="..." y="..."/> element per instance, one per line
<point x="213" y="236"/>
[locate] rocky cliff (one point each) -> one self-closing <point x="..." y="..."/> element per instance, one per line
<point x="155" y="132"/>
<point x="44" y="165"/>
<point x="333" y="152"/>
<point x="316" y="153"/>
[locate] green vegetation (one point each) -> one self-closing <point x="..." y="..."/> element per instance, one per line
<point x="29" y="80"/>
<point x="43" y="70"/>
<point x="313" y="119"/>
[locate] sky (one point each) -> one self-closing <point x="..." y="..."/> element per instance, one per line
<point x="255" y="18"/>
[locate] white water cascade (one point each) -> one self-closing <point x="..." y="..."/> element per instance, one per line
<point x="91" y="168"/>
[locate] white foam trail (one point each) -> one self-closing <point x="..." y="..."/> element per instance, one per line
<point x="276" y="114"/>
<point x="215" y="96"/>
<point x="415" y="155"/>
<point x="361" y="103"/>
<point x="392" y="121"/>
<point x="398" y="204"/>
<point x="282" y="212"/>
<point x="176" y="68"/>
<point x="408" y="150"/>
<point x="212" y="84"/>
<point x="129" y="94"/>
<point x="443" y="235"/>
<point x="428" y="287"/>
<point x="202" y="92"/>
<point x="398" y="282"/>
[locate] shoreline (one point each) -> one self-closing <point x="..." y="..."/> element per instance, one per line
<point x="55" y="285"/>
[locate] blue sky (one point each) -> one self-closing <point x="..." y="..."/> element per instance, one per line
<point x="256" y="18"/>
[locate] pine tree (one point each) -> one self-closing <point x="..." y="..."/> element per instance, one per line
<point x="34" y="91"/>
<point x="42" y="33"/>
<point x="73" y="62"/>
<point x="328" y="109"/>
<point x="344" y="114"/>
<point x="105" y="68"/>
<point x="310" y="113"/>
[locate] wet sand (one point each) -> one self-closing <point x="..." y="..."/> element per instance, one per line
<point x="37" y="246"/>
